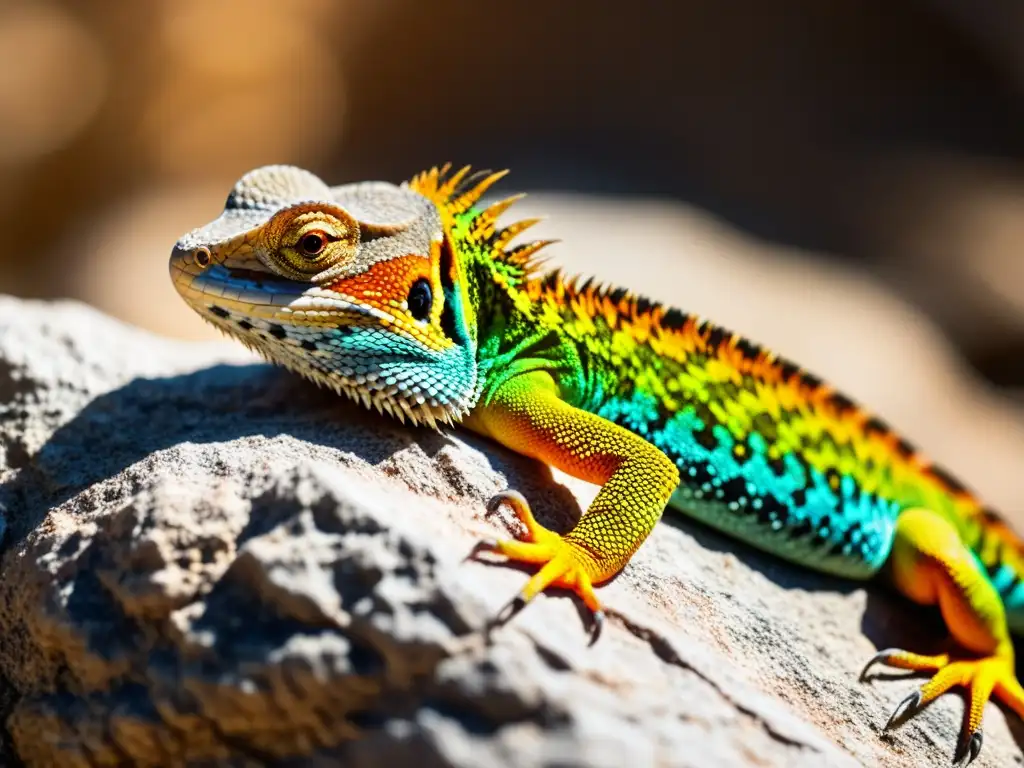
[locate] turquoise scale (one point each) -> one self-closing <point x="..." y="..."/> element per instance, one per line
<point x="791" y="511"/>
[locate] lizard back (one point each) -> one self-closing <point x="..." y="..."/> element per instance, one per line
<point x="766" y="451"/>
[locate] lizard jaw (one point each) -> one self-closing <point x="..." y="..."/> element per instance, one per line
<point x="384" y="402"/>
<point x="302" y="329"/>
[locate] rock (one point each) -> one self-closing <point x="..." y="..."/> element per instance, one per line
<point x="210" y="561"/>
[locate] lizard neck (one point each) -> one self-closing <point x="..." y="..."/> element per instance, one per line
<point x="506" y="322"/>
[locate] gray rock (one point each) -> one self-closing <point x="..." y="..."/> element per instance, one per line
<point x="210" y="561"/>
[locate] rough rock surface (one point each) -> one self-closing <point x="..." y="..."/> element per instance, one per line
<point x="210" y="561"/>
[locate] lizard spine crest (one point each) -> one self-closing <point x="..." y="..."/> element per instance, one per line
<point x="455" y="193"/>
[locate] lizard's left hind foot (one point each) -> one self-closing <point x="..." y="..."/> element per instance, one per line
<point x="981" y="678"/>
<point x="564" y="563"/>
<point x="932" y="566"/>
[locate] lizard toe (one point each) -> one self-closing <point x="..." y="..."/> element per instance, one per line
<point x="535" y="532"/>
<point x="982" y="678"/>
<point x="564" y="563"/>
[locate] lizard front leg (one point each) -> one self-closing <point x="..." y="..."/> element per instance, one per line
<point x="526" y="414"/>
<point x="931" y="565"/>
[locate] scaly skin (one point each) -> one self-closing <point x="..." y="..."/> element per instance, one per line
<point x="412" y="300"/>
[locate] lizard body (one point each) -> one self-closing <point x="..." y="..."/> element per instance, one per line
<point x="414" y="300"/>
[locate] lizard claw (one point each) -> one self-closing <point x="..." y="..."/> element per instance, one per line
<point x="510" y="609"/>
<point x="484" y="545"/>
<point x="905" y="710"/>
<point x="597" y="626"/>
<point x="879" y="658"/>
<point x="969" y="750"/>
<point x="508" y="497"/>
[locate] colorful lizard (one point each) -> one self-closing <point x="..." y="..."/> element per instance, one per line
<point x="413" y="299"/>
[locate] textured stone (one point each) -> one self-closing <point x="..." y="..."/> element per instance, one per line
<point x="210" y="561"/>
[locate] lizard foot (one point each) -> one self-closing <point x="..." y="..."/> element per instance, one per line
<point x="564" y="563"/>
<point x="982" y="678"/>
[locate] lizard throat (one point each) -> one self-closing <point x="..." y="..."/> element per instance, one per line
<point x="330" y="339"/>
<point x="368" y="389"/>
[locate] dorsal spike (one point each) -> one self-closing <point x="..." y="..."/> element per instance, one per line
<point x="484" y="224"/>
<point x="450" y="184"/>
<point x="468" y="198"/>
<point x="521" y="255"/>
<point x="495" y="210"/>
<point x="536" y="265"/>
<point x="428" y="182"/>
<point x="508" y="234"/>
<point x="472" y="180"/>
<point x="457" y="193"/>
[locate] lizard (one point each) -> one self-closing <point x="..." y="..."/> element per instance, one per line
<point x="415" y="300"/>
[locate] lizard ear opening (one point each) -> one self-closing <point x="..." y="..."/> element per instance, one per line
<point x="421" y="299"/>
<point x="455" y="322"/>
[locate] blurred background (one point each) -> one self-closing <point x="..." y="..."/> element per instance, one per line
<point x="842" y="180"/>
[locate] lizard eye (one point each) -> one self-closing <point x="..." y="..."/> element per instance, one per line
<point x="202" y="256"/>
<point x="420" y="299"/>
<point x="313" y="243"/>
<point x="309" y="239"/>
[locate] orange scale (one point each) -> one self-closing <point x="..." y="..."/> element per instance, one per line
<point x="386" y="284"/>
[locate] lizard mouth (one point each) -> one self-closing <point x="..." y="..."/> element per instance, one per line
<point x="254" y="295"/>
<point x="310" y="330"/>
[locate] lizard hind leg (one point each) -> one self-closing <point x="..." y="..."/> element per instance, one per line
<point x="932" y="566"/>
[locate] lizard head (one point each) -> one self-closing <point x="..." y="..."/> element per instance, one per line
<point x="355" y="287"/>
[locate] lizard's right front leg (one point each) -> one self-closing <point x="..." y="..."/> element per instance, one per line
<point x="526" y="414"/>
<point x="931" y="565"/>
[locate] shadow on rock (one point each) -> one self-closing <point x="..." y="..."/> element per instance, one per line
<point x="215" y="404"/>
<point x="225" y="402"/>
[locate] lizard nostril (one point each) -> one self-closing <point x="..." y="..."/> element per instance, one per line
<point x="202" y="256"/>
